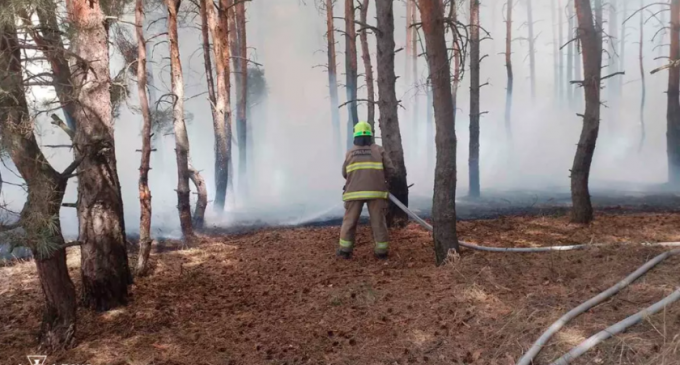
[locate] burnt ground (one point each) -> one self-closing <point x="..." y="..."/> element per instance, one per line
<point x="279" y="296"/>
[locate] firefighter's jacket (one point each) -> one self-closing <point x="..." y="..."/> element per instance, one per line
<point x="366" y="169"/>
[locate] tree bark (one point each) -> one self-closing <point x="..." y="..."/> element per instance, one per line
<point x="215" y="25"/>
<point x="144" y="191"/>
<point x="591" y="40"/>
<point x="181" y="137"/>
<point x="104" y="263"/>
<point x="453" y="14"/>
<point x="473" y="161"/>
<point x="508" y="67"/>
<point x="333" y="76"/>
<point x="578" y="75"/>
<point x="532" y="51"/>
<point x="642" y="78"/>
<point x="368" y="67"/>
<point x="227" y="16"/>
<point x="241" y="77"/>
<point x="217" y="118"/>
<point x="387" y="105"/>
<point x="202" y="201"/>
<point x="444" y="202"/>
<point x="351" y="70"/>
<point x="40" y="215"/>
<point x="673" y="110"/>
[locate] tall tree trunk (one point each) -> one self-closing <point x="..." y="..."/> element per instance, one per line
<point x="368" y="68"/>
<point x="223" y="130"/>
<point x="242" y="95"/>
<point x="577" y="92"/>
<point x="333" y="76"/>
<point x="453" y="14"/>
<point x="40" y="215"/>
<point x="508" y="67"/>
<point x="570" y="53"/>
<point x="673" y="94"/>
<point x="212" y="98"/>
<point x="444" y="202"/>
<point x="387" y="105"/>
<point x="144" y="192"/>
<point x="181" y="137"/>
<point x="218" y="97"/>
<point x="642" y="78"/>
<point x="591" y="40"/>
<point x="473" y="161"/>
<point x="202" y="201"/>
<point x="104" y="263"/>
<point x="560" y="16"/>
<point x="532" y="51"/>
<point x="351" y="70"/>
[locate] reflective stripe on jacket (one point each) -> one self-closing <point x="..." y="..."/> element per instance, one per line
<point x="366" y="169"/>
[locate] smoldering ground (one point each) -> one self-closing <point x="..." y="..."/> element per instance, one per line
<point x="294" y="172"/>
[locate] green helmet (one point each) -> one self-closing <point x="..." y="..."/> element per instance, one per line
<point x="362" y="129"/>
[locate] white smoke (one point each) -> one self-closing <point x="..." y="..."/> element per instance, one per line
<point x="295" y="173"/>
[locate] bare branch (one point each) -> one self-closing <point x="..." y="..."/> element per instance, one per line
<point x="356" y="100"/>
<point x="672" y="64"/>
<point x="60" y="123"/>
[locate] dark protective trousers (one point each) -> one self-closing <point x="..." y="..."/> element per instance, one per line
<point x="377" y="209"/>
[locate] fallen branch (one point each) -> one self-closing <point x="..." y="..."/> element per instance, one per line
<point x="617" y="328"/>
<point x="538" y="345"/>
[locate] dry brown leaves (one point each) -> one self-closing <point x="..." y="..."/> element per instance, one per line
<point x="281" y="297"/>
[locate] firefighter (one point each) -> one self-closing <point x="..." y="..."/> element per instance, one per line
<point x="365" y="170"/>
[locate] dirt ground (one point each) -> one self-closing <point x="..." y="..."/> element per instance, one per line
<point x="281" y="297"/>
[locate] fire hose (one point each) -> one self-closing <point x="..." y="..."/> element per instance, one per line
<point x="555" y="327"/>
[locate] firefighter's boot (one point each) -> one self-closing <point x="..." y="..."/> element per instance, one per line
<point x="344" y="254"/>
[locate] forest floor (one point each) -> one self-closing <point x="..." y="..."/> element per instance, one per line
<point x="279" y="296"/>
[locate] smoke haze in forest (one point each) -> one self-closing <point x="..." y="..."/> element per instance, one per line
<point x="295" y="173"/>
